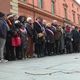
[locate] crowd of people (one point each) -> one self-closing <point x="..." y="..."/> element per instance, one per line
<point x="21" y="38"/>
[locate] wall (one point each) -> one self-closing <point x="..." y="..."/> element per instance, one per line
<point x="72" y="5"/>
<point x="5" y="6"/>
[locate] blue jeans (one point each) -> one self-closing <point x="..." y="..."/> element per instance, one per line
<point x="2" y="45"/>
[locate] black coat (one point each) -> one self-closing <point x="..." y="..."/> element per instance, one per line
<point x="75" y="36"/>
<point x="29" y="30"/>
<point x="38" y="29"/>
<point x="3" y="28"/>
<point x="49" y="35"/>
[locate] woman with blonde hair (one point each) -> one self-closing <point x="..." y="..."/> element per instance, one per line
<point x="49" y="40"/>
<point x="29" y="28"/>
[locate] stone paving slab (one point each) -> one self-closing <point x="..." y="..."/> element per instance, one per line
<point x="61" y="67"/>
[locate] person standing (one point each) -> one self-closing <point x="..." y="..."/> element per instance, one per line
<point x="29" y="28"/>
<point x="39" y="37"/>
<point x="57" y="36"/>
<point x="49" y="40"/>
<point x="23" y="20"/>
<point x="45" y="48"/>
<point x="9" y="48"/>
<point x="68" y="39"/>
<point x="76" y="39"/>
<point x="3" y="34"/>
<point x="16" y="40"/>
<point x="24" y="37"/>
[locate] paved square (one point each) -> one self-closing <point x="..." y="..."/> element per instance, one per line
<point x="61" y="67"/>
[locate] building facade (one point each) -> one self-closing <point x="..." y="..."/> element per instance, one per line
<point x="65" y="11"/>
<point x="9" y="6"/>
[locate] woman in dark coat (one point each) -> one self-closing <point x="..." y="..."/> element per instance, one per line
<point x="24" y="36"/>
<point x="24" y="39"/>
<point x="49" y="40"/>
<point x="9" y="48"/>
<point x="16" y="40"/>
<point x="29" y="28"/>
<point x="68" y="39"/>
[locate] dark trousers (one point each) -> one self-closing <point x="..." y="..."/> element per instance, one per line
<point x="24" y="52"/>
<point x="69" y="47"/>
<point x="39" y="49"/>
<point x="10" y="52"/>
<point x="18" y="52"/>
<point x="30" y="47"/>
<point x="57" y="47"/>
<point x="49" y="48"/>
<point x="75" y="46"/>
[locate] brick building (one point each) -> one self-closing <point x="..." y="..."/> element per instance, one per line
<point x="65" y="11"/>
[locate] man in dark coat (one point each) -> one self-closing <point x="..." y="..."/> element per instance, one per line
<point x="40" y="37"/>
<point x="76" y="38"/>
<point x="68" y="39"/>
<point x="57" y="36"/>
<point x="3" y="34"/>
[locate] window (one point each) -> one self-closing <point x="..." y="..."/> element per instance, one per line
<point x="79" y="19"/>
<point x="52" y="7"/>
<point x="73" y="16"/>
<point x="77" y="9"/>
<point x="65" y="12"/>
<point x="40" y="3"/>
<point x="65" y="6"/>
<point x="23" y="1"/>
<point x="72" y="5"/>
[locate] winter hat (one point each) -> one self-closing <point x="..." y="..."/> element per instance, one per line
<point x="28" y="19"/>
<point x="17" y="21"/>
<point x="10" y="15"/>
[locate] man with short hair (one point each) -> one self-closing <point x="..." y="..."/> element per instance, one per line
<point x="3" y="33"/>
<point x="57" y="36"/>
<point x="40" y="37"/>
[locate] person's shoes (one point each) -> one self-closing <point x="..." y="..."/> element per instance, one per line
<point x="38" y="56"/>
<point x="3" y="61"/>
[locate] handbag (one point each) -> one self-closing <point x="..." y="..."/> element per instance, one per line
<point x="16" y="41"/>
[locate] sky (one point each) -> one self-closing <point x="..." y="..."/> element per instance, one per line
<point x="78" y="1"/>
